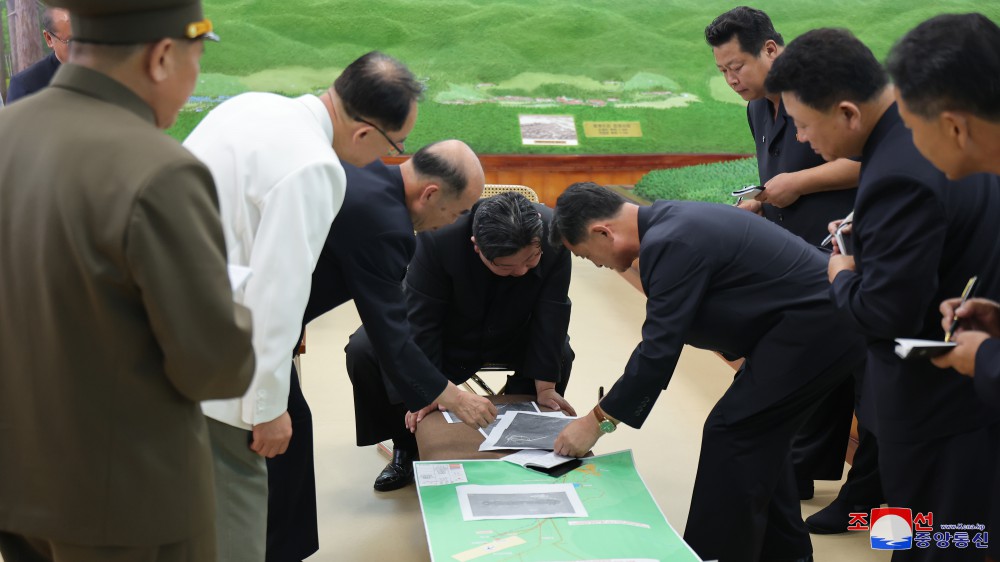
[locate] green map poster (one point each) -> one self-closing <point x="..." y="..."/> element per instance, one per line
<point x="623" y="522"/>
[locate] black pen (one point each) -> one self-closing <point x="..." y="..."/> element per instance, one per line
<point x="966" y="293"/>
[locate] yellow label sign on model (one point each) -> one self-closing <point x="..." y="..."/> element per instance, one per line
<point x="612" y="129"/>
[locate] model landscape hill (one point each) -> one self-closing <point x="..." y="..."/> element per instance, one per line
<point x="484" y="62"/>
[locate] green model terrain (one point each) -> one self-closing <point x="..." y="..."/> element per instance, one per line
<point x="484" y="62"/>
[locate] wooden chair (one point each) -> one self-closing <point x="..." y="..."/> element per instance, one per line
<point x="492" y="189"/>
<point x="482" y="384"/>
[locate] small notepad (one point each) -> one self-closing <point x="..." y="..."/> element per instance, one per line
<point x="911" y="348"/>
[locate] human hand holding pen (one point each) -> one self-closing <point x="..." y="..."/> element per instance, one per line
<point x="974" y="314"/>
<point x="782" y="190"/>
<point x="842" y="227"/>
<point x="966" y="293"/>
<point x="752" y="205"/>
<point x="475" y="411"/>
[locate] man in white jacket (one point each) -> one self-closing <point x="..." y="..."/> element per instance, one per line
<point x="276" y="164"/>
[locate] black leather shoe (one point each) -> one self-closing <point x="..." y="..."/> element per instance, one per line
<point x="398" y="473"/>
<point x="806" y="489"/>
<point x="834" y="518"/>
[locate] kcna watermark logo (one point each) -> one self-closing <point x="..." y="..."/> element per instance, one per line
<point x="895" y="528"/>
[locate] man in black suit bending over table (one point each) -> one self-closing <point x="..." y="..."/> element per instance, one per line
<point x="364" y="259"/>
<point x="917" y="239"/>
<point x="487" y="289"/>
<point x="721" y="279"/>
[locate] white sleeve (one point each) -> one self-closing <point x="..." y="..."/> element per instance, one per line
<point x="295" y="219"/>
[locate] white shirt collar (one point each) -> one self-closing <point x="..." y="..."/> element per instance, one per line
<point x="315" y="105"/>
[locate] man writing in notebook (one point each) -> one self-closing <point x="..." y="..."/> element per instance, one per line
<point x="917" y="239"/>
<point x="954" y="116"/>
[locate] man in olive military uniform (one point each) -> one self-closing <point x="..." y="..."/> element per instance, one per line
<point x="118" y="316"/>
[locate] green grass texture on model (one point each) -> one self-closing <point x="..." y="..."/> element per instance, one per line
<point x="484" y="62"/>
<point x="706" y="182"/>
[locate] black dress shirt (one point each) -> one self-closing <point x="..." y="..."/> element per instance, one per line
<point x="463" y="315"/>
<point x="779" y="152"/>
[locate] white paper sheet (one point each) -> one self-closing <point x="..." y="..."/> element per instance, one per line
<point x="519" y="501"/>
<point x="537" y="457"/>
<point x="439" y="474"/>
<point x="526" y="430"/>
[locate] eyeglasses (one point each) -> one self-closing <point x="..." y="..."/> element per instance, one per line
<point x="57" y="38"/>
<point x="395" y="147"/>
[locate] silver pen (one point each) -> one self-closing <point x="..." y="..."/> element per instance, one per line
<point x="847" y="220"/>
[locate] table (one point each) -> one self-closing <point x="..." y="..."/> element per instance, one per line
<point x="439" y="440"/>
<point x="624" y="523"/>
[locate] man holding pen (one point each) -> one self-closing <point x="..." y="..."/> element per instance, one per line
<point x="977" y="338"/>
<point x="917" y="239"/>
<point x="955" y="120"/>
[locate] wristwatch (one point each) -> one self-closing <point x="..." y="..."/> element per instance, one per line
<point x="604" y="422"/>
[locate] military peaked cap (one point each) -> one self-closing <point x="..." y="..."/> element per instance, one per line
<point x="135" y="21"/>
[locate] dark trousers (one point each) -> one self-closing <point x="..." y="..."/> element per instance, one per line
<point x="819" y="448"/>
<point x="378" y="417"/>
<point x="292" y="528"/>
<point x="954" y="477"/>
<point x="745" y="505"/>
<point x="863" y="486"/>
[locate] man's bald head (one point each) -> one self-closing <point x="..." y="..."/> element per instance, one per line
<point x="452" y="164"/>
<point x="379" y="88"/>
<point x="442" y="180"/>
<point x="57" y="31"/>
<point x="52" y="15"/>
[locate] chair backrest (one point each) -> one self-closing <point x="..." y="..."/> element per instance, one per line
<point x="492" y="189"/>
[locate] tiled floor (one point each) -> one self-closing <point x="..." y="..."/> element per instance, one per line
<point x="358" y="524"/>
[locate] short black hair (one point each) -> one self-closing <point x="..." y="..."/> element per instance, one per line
<point x="429" y="163"/>
<point x="826" y="66"/>
<point x="581" y="204"/>
<point x="751" y="26"/>
<point x="505" y="224"/>
<point x="949" y="62"/>
<point x="379" y="88"/>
